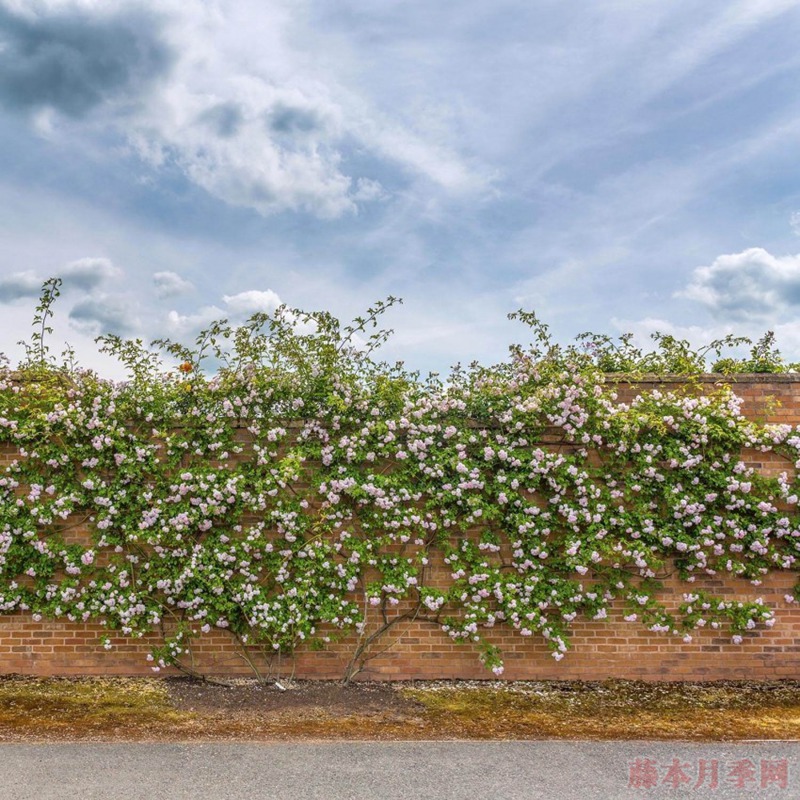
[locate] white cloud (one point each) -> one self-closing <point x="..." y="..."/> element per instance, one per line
<point x="19" y="285"/>
<point x="252" y="302"/>
<point x="183" y="324"/>
<point x="88" y="273"/>
<point x="242" y="101"/>
<point x="237" y="308"/>
<point x="752" y="284"/>
<point x="169" y="284"/>
<point x="104" y="314"/>
<point x="367" y="190"/>
<point x="254" y="145"/>
<point x="85" y="274"/>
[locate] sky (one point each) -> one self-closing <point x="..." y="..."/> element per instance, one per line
<point x="629" y="165"/>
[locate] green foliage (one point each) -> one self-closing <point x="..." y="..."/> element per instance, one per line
<point x="764" y="357"/>
<point x="283" y="486"/>
<point x="673" y="356"/>
<point x="37" y="351"/>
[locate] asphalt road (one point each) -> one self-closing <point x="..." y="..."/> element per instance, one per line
<point x="389" y="770"/>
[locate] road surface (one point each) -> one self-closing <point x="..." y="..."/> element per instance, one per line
<point x="399" y="771"/>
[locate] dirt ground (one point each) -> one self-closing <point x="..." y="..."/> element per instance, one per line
<point x="181" y="709"/>
<point x="251" y="697"/>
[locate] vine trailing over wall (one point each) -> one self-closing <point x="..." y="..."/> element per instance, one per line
<point x="299" y="492"/>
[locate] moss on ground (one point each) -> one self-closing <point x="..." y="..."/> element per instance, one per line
<point x="76" y="707"/>
<point x="146" y="709"/>
<point x="618" y="709"/>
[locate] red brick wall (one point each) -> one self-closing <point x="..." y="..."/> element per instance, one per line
<point x="600" y="649"/>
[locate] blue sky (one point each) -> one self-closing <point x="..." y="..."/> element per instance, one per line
<point x="614" y="166"/>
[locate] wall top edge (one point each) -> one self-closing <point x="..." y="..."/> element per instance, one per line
<point x="625" y="377"/>
<point x="707" y="377"/>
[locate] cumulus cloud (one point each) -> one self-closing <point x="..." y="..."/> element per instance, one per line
<point x="169" y="284"/>
<point x="237" y="151"/>
<point x="752" y="284"/>
<point x="232" y="95"/>
<point x="104" y="314"/>
<point x="85" y="274"/>
<point x="19" y="285"/>
<point x="88" y="273"/>
<point x="246" y="304"/>
<point x="183" y="324"/>
<point x="237" y="308"/>
<point x="74" y="59"/>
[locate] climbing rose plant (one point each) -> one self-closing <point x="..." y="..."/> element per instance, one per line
<point x="300" y="491"/>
